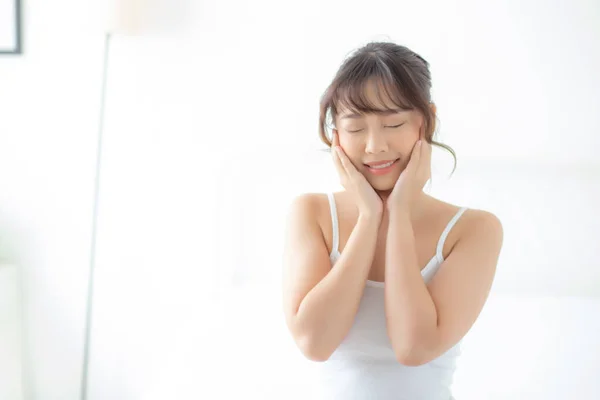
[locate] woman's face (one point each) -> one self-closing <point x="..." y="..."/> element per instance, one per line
<point x="369" y="139"/>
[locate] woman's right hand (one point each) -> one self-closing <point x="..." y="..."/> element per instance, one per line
<point x="366" y="199"/>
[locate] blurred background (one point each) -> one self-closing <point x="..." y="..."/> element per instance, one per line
<point x="209" y="131"/>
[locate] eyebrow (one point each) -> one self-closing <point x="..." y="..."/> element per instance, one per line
<point x="384" y="113"/>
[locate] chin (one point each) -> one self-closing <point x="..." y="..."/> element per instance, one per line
<point x="383" y="184"/>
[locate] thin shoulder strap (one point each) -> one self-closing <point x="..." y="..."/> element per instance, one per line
<point x="440" y="246"/>
<point x="334" y="222"/>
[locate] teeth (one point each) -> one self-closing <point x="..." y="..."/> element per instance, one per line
<point x="382" y="165"/>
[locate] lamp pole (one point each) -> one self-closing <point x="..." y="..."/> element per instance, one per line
<point x="90" y="292"/>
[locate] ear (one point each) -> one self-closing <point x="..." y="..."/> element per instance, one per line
<point x="433" y="108"/>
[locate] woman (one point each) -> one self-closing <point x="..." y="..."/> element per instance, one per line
<point x="382" y="281"/>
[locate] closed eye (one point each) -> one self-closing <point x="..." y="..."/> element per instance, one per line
<point x="395" y="126"/>
<point x="386" y="126"/>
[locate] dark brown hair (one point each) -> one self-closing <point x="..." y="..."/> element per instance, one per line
<point x="399" y="72"/>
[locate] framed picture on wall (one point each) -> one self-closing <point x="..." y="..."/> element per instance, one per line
<point x="10" y="27"/>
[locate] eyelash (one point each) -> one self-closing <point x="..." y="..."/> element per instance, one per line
<point x="393" y="126"/>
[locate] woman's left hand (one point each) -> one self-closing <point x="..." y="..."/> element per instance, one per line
<point x="412" y="179"/>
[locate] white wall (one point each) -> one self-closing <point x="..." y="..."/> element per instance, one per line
<point x="200" y="111"/>
<point x="11" y="333"/>
<point x="49" y="99"/>
<point x="218" y="123"/>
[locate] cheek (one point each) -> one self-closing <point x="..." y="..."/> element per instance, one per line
<point x="348" y="139"/>
<point x="350" y="145"/>
<point x="403" y="144"/>
<point x="355" y="158"/>
<point x="353" y="149"/>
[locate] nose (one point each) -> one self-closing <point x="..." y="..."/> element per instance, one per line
<point x="376" y="143"/>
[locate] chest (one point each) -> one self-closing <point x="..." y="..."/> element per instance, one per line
<point x="426" y="235"/>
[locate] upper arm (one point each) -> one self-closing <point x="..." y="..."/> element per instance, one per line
<point x="461" y="286"/>
<point x="306" y="258"/>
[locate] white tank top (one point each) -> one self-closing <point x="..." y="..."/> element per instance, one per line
<point x="364" y="366"/>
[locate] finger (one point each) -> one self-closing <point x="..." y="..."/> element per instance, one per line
<point x="426" y="163"/>
<point x="336" y="139"/>
<point x="415" y="155"/>
<point x="348" y="166"/>
<point x="338" y="163"/>
<point x="425" y="158"/>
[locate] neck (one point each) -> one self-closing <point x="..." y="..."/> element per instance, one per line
<point x="384" y="194"/>
<point x="418" y="207"/>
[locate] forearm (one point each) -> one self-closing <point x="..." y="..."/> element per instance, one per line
<point x="328" y="310"/>
<point x="410" y="311"/>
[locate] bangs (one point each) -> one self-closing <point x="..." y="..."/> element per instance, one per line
<point x="373" y="91"/>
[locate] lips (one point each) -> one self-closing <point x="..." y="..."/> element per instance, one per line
<point x="381" y="164"/>
<point x="381" y="168"/>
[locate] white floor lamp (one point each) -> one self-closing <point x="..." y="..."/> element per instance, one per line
<point x="121" y="17"/>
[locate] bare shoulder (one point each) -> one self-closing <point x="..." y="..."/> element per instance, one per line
<point x="310" y="209"/>
<point x="472" y="220"/>
<point x="482" y="227"/>
<point x="309" y="205"/>
<point x="482" y="222"/>
<point x="474" y="225"/>
<point x="305" y="203"/>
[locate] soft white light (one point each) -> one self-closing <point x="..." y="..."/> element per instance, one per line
<point x="125" y="16"/>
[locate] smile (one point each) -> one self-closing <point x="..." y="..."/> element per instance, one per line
<point x="381" y="169"/>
